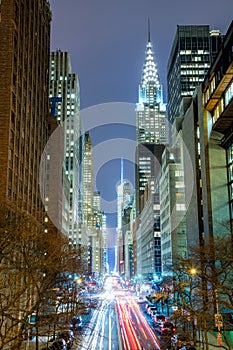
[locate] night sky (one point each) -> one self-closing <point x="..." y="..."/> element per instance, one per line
<point x="107" y="40"/>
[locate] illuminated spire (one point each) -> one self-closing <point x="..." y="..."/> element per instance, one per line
<point x="149" y="70"/>
<point x="150" y="89"/>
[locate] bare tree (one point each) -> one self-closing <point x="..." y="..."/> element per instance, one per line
<point x="34" y="259"/>
<point x="202" y="287"/>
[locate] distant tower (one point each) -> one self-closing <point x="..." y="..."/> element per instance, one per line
<point x="105" y="266"/>
<point x="192" y="53"/>
<point x="124" y="196"/>
<point x="97" y="238"/>
<point x="88" y="180"/>
<point x="87" y="199"/>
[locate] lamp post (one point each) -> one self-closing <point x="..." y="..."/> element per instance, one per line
<point x="193" y="272"/>
<point x="202" y="319"/>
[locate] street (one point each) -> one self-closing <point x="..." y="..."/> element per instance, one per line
<point x="118" y="323"/>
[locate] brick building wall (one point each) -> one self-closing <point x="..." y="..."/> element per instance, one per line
<point x="24" y="104"/>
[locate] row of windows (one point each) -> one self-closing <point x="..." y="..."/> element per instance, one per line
<point x="229" y="94"/>
<point x="193" y="72"/>
<point x="230" y="177"/>
<point x="191" y="52"/>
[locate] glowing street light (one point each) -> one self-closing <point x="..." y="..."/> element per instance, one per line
<point x="193" y="271"/>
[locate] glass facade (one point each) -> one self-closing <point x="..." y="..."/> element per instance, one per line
<point x="151" y="111"/>
<point x="65" y="85"/>
<point x="192" y="53"/>
<point x="151" y="125"/>
<point x="230" y="179"/>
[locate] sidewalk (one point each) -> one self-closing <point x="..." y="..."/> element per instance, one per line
<point x="32" y="345"/>
<point x="213" y="341"/>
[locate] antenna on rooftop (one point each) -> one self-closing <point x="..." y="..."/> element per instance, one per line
<point x="148" y="30"/>
<point x="122" y="170"/>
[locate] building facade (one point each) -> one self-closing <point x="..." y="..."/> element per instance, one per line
<point x="64" y="85"/>
<point x="24" y="113"/>
<point x="24" y="102"/>
<point x="217" y="90"/>
<point x="206" y="127"/>
<point x="192" y="53"/>
<point x="151" y="137"/>
<point x="87" y="200"/>
<point x="124" y="198"/>
<point x="150" y="123"/>
<point x="214" y="134"/>
<point x="97" y="237"/>
<point x="150" y="110"/>
<point x="172" y="212"/>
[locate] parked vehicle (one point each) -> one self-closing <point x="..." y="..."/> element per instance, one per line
<point x="179" y="340"/>
<point x="148" y="305"/>
<point x="158" y="318"/>
<point x="68" y="336"/>
<point x="151" y="310"/>
<point x="141" y="300"/>
<point x="153" y="313"/>
<point x="76" y="323"/>
<point x="165" y="328"/>
<point x="59" y="344"/>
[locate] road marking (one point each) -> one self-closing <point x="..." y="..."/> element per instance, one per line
<point x="110" y="332"/>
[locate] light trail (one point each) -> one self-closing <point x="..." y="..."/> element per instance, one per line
<point x="94" y="338"/>
<point x="135" y="330"/>
<point x="131" y="340"/>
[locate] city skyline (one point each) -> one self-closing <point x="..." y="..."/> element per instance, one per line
<point x="109" y="209"/>
<point x="109" y="58"/>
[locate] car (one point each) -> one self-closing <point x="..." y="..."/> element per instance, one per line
<point x="165" y="328"/>
<point x="76" y="323"/>
<point x="179" y="340"/>
<point x="151" y="310"/>
<point x="158" y="318"/>
<point x="86" y="311"/>
<point x="147" y="306"/>
<point x="68" y="336"/>
<point x="141" y="300"/>
<point x="153" y="313"/>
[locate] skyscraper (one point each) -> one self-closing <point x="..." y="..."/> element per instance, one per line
<point x="151" y="131"/>
<point x="87" y="199"/>
<point x="151" y="111"/>
<point x="124" y="197"/>
<point x="151" y="136"/>
<point x="24" y="62"/>
<point x="64" y="85"/>
<point x="193" y="50"/>
<point x="88" y="180"/>
<point x="97" y="238"/>
<point x="24" y="111"/>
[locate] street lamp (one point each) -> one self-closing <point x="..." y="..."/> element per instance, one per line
<point x="193" y="271"/>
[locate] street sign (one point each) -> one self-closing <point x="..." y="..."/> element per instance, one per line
<point x="218" y="320"/>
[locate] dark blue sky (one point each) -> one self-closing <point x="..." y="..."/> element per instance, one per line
<point x="107" y="40"/>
